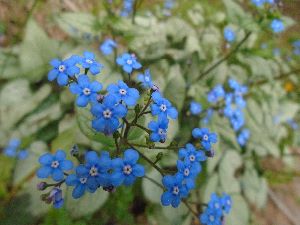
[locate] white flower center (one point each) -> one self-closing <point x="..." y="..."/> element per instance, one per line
<point x="107" y="113"/>
<point x="163" y="107"/>
<point x="211" y="218"/>
<point x="122" y="91"/>
<point x="54" y="164"/>
<point x="86" y="91"/>
<point x="192" y="158"/>
<point x="127" y="169"/>
<point x="83" y="180"/>
<point x="186" y="172"/>
<point x="161" y="131"/>
<point x="129" y="61"/>
<point x="217" y="205"/>
<point x="93" y="171"/>
<point x="175" y="190"/>
<point x="61" y="68"/>
<point x="205" y="137"/>
<point x="89" y="61"/>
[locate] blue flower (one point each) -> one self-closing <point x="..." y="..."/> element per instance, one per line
<point x="192" y="155"/>
<point x="175" y="190"/>
<point x="292" y="123"/>
<point x="146" y="79"/>
<point x="162" y="107"/>
<point x="159" y="130"/>
<point x="296" y="45"/>
<point x="127" y="7"/>
<point x="62" y="70"/>
<point x="226" y="203"/>
<point x="208" y="116"/>
<point x="235" y="116"/>
<point x="86" y="90"/>
<point x="126" y="170"/>
<point x="22" y="154"/>
<point x="195" y="108"/>
<point x="108" y="46"/>
<point x="54" y="165"/>
<point x="216" y="94"/>
<point x="216" y="204"/>
<point x="239" y="91"/>
<point x="128" y="62"/>
<point x="107" y="115"/>
<point x="206" y="138"/>
<point x="95" y="170"/>
<point x="55" y="196"/>
<point x="11" y="149"/>
<point x="189" y="172"/>
<point x="277" y="25"/>
<point x="243" y="137"/>
<point x="79" y="180"/>
<point x="210" y="217"/>
<point x="123" y="93"/>
<point x="229" y="34"/>
<point x="88" y="61"/>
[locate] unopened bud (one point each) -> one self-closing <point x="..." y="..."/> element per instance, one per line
<point x="41" y="186"/>
<point x="210" y="153"/>
<point x="155" y="88"/>
<point x="100" y="98"/>
<point x="74" y="150"/>
<point x="110" y="188"/>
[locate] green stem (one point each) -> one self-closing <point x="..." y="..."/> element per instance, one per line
<point x="227" y="56"/>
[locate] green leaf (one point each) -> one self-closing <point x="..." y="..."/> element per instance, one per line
<point x="254" y="187"/>
<point x="78" y="24"/>
<point x="86" y="205"/>
<point x="211" y="186"/>
<point x="151" y="191"/>
<point x="26" y="168"/>
<point x="230" y="163"/>
<point x="36" y="51"/>
<point x="176" y="216"/>
<point x="175" y="88"/>
<point x="239" y="213"/>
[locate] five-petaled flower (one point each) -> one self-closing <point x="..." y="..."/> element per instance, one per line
<point x="126" y="170"/>
<point x="146" y="79"/>
<point x="123" y="93"/>
<point x="162" y="107"/>
<point x="159" y="130"/>
<point x="128" y="62"/>
<point x="88" y="61"/>
<point x="206" y="138"/>
<point x="62" y="70"/>
<point x="107" y="115"/>
<point x="175" y="190"/>
<point x="86" y="90"/>
<point x="54" y="165"/>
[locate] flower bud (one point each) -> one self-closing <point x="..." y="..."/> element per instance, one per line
<point x="74" y="150"/>
<point x="41" y="186"/>
<point x="100" y="98"/>
<point x="210" y="153"/>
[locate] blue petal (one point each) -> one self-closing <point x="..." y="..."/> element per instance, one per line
<point x="60" y="155"/>
<point x="55" y="63"/>
<point x="138" y="170"/>
<point x="82" y="171"/>
<point x="44" y="172"/>
<point x="127" y="68"/>
<point x="91" y="157"/>
<point x="83" y="81"/>
<point x="71" y="180"/>
<point x="168" y="181"/>
<point x="78" y="191"/>
<point x="46" y="159"/>
<point x="75" y="89"/>
<point x="166" y="198"/>
<point x="155" y="137"/>
<point x="131" y="156"/>
<point x="175" y="202"/>
<point x="172" y="112"/>
<point x="129" y="180"/>
<point x="117" y="179"/>
<point x="95" y="86"/>
<point x="66" y="165"/>
<point x="52" y="75"/>
<point x="95" y="70"/>
<point x="57" y="175"/>
<point x="62" y="79"/>
<point x="82" y="100"/>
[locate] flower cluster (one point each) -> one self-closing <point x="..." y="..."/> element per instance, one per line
<point x="234" y="103"/>
<point x="97" y="171"/>
<point x="189" y="166"/>
<point x="13" y="149"/>
<point x="216" y="208"/>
